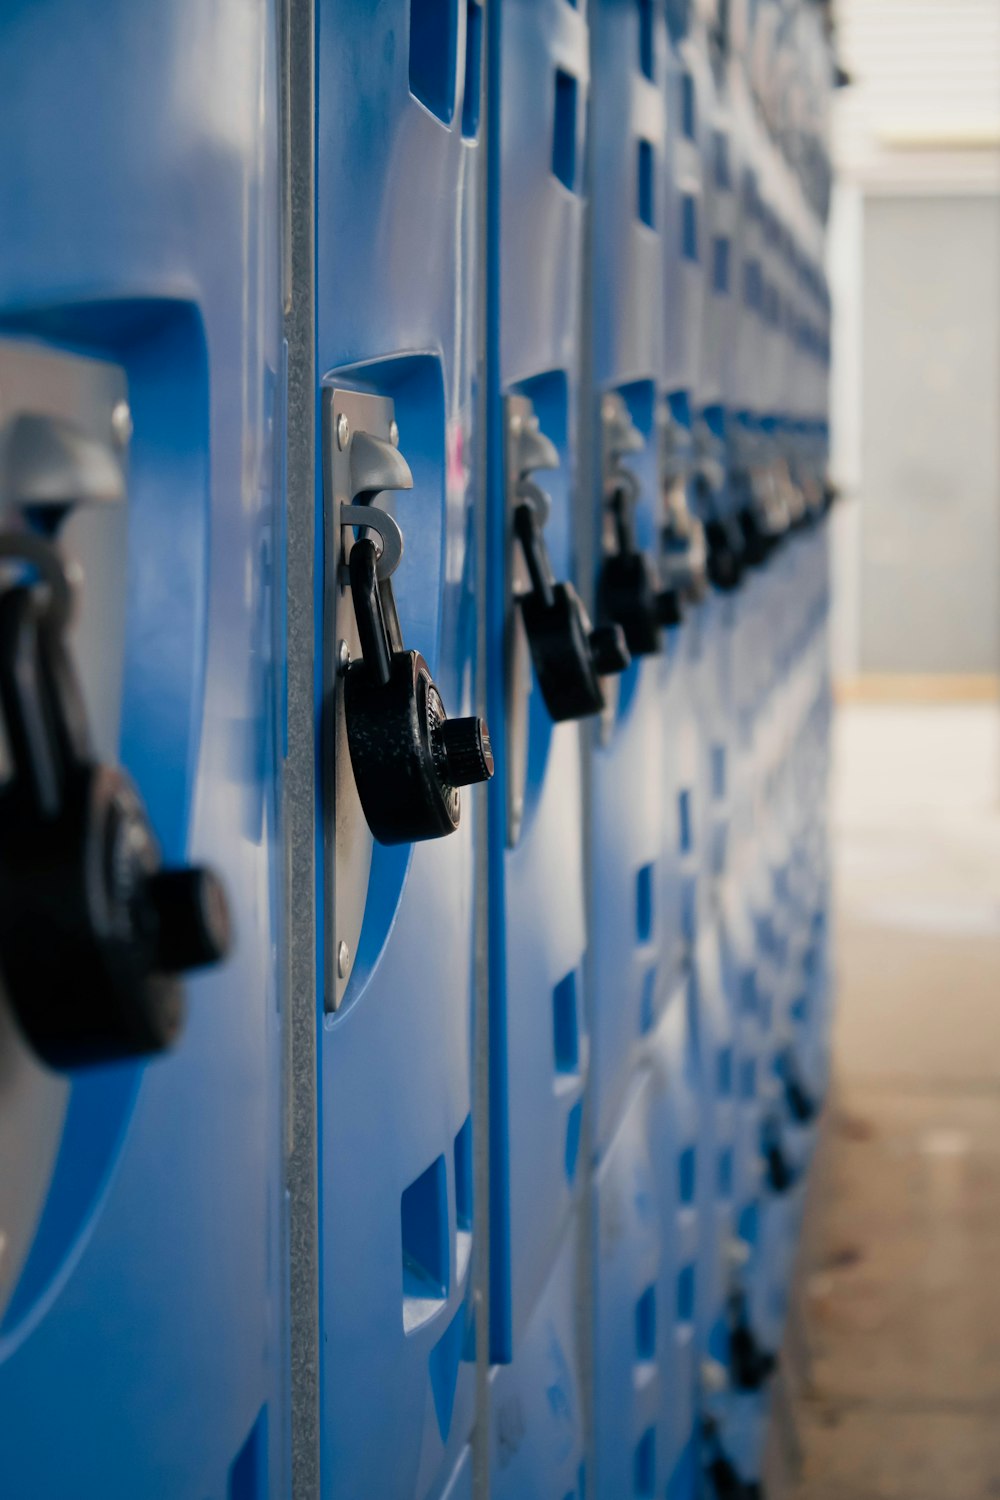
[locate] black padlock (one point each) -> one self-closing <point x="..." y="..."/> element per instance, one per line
<point x="725" y="554"/>
<point x="802" y="1105"/>
<point x="94" y="932"/>
<point x="724" y="1479"/>
<point x="750" y="1365"/>
<point x="409" y="759"/>
<point x="630" y="594"/>
<point x="570" y="655"/>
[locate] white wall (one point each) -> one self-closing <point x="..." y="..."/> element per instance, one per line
<point x="922" y="116"/>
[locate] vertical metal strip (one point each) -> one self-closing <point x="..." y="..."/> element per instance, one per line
<point x="485" y="251"/>
<point x="588" y="437"/>
<point x="298" y="799"/>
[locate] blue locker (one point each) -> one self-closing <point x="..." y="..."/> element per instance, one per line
<point x="629" y="1443"/>
<point x="538" y="1040"/>
<point x="625" y="519"/>
<point x="676" y="1154"/>
<point x="146" y="1311"/>
<point x="397" y="169"/>
<point x="536" y="1421"/>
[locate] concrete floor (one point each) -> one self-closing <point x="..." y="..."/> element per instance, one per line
<point x="896" y="1341"/>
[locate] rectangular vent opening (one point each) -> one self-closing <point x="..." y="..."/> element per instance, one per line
<point x="434" y="55"/>
<point x="248" y="1470"/>
<point x="472" y="92"/>
<point x="645" y="1465"/>
<point x="566" y="1025"/>
<point x="646" y="66"/>
<point x="424" y="1225"/>
<point x="645" y="1326"/>
<point x="689" y="122"/>
<point x="644" y="903"/>
<point x="684" y="821"/>
<point x="564" y="130"/>
<point x="645" y="201"/>
<point x="719" y="772"/>
<point x="463" y="1175"/>
<point x="686" y="1175"/>
<point x="689" y="226"/>
<point x="720" y="264"/>
<point x="685" y="1294"/>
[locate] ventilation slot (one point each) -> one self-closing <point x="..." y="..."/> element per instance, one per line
<point x="565" y="1025"/>
<point x="689" y="226"/>
<point x="424" y="1222"/>
<point x="473" y="68"/>
<point x="433" y="55"/>
<point x="644" y="184"/>
<point x="720" y="265"/>
<point x="646" y="38"/>
<point x="644" y="903"/>
<point x="248" y="1471"/>
<point x="564" y="130"/>
<point x="645" y="1326"/>
<point x="645" y="1465"/>
<point x="686" y="1175"/>
<point x="689" y="121"/>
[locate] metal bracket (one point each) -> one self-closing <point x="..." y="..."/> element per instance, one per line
<point x="360" y="462"/>
<point x="526" y="448"/>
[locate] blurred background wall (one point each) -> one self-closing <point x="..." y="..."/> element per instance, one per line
<point x="915" y="268"/>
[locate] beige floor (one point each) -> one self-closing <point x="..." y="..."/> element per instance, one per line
<point x="899" y="1328"/>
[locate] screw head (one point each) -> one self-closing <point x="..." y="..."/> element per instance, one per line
<point x="394" y="433"/>
<point x="121" y="424"/>
<point x="343" y="959"/>
<point x="343" y="657"/>
<point x="343" y="430"/>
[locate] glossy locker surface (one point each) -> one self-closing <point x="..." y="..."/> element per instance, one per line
<point x="397" y="164"/>
<point x="627" y="783"/>
<point x="539" y="1044"/>
<point x="142" y="228"/>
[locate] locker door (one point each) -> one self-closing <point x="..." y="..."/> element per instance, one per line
<point x="678" y="1157"/>
<point x="141" y="424"/>
<point x="624" y="517"/>
<point x="397" y="172"/>
<point x="632" y="1328"/>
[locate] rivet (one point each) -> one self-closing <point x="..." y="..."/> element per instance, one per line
<point x="343" y="959"/>
<point x="343" y="431"/>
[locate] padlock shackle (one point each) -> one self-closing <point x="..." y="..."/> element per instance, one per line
<point x="376" y="646"/>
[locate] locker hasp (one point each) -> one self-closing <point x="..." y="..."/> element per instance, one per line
<point x="409" y="759"/>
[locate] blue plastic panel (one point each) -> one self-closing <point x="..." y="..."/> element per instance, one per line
<point x="142" y="226"/>
<point x="632" y="1324"/>
<point x="678" y="1159"/>
<point x="538" y="1041"/>
<point x="633" y="924"/>
<point x="536" y="1411"/>
<point x="396" y="249"/>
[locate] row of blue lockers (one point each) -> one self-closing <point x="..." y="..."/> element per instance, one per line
<point x="394" y="1107"/>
